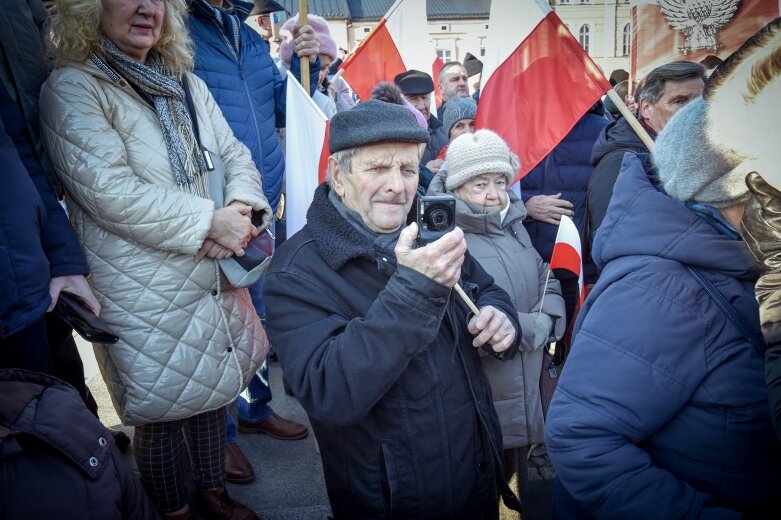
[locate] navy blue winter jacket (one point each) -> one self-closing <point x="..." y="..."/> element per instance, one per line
<point x="248" y="88"/>
<point x="566" y="170"/>
<point x="662" y="409"/>
<point x="36" y="240"/>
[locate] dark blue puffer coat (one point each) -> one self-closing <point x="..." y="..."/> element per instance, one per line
<point x="36" y="240"/>
<point x="248" y="87"/>
<point x="566" y="170"/>
<point x="662" y="409"/>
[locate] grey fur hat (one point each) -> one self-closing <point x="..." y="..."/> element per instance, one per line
<point x="371" y="122"/>
<point x="456" y="109"/>
<point x="692" y="167"/>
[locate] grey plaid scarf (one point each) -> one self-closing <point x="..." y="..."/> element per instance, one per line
<point x="156" y="80"/>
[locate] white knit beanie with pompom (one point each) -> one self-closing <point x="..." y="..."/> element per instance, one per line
<point x="471" y="155"/>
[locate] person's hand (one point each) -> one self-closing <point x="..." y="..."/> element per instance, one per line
<point x="232" y="228"/>
<point x="762" y="224"/>
<point x="548" y="208"/>
<point x="306" y="43"/>
<point x="762" y="232"/>
<point x="630" y="103"/>
<point x="435" y="165"/>
<point x="211" y="249"/>
<point x="492" y="327"/>
<point x="76" y="285"/>
<point x="543" y="325"/>
<point x="440" y="260"/>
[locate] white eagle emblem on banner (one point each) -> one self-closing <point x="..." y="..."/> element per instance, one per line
<point x="699" y="20"/>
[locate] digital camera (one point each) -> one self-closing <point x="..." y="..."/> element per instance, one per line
<point x="436" y="216"/>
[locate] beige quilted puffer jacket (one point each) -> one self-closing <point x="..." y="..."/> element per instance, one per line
<point x="186" y="345"/>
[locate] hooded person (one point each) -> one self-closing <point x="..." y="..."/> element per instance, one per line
<point x="663" y="392"/>
<point x="747" y="87"/>
<point x="329" y="102"/>
<point x="480" y="170"/>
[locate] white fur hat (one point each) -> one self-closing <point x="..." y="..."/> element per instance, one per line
<point x="470" y="155"/>
<point x="744" y="98"/>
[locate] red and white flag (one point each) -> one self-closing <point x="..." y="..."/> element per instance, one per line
<point x="400" y="42"/>
<point x="537" y="79"/>
<point x="567" y="252"/>
<point x="673" y="33"/>
<point x="306" y="137"/>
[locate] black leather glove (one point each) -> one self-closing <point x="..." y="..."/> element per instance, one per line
<point x="762" y="233"/>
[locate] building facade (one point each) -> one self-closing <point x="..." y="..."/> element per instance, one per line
<point x="458" y="27"/>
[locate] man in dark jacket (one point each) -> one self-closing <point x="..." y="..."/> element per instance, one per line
<point x="663" y="92"/>
<point x="56" y="459"/>
<point x="417" y="87"/>
<point x="558" y="186"/>
<point x="234" y="62"/>
<point x="663" y="392"/>
<point x="374" y="343"/>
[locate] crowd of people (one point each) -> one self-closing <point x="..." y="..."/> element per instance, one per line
<point x="143" y="151"/>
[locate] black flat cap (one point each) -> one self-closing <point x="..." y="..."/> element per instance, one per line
<point x="266" y="7"/>
<point x="472" y="65"/>
<point x="372" y="122"/>
<point x="414" y="82"/>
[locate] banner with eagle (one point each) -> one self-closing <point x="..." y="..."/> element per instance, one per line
<point x="673" y="30"/>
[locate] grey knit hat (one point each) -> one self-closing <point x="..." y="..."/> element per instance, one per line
<point x="456" y="109"/>
<point x="691" y="167"/>
<point x="374" y="122"/>
<point x="470" y="155"/>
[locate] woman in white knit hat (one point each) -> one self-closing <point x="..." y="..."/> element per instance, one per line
<point x="480" y="170"/>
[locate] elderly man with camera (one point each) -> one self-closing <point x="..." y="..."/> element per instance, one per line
<point x="374" y="342"/>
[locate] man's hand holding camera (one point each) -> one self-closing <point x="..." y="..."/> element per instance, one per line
<point x="440" y="260"/>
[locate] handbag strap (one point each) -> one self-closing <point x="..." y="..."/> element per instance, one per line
<point x="756" y="340"/>
<point x="188" y="98"/>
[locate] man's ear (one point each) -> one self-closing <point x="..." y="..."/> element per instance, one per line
<point x="646" y="109"/>
<point x="337" y="183"/>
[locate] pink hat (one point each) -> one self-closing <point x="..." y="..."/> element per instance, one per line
<point x="319" y="25"/>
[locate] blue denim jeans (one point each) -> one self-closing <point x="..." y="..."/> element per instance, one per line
<point x="253" y="403"/>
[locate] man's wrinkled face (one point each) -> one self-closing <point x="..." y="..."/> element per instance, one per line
<point x="381" y="186"/>
<point x="454" y="83"/>
<point x="675" y="96"/>
<point x="421" y="102"/>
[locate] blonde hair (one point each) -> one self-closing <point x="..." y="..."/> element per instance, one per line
<point x="74" y="33"/>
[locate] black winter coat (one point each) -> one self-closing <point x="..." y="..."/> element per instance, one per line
<point x="437" y="140"/>
<point x="613" y="143"/>
<point x="381" y="360"/>
<point x="57" y="460"/>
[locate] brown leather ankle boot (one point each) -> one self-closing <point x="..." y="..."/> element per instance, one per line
<point x="218" y="505"/>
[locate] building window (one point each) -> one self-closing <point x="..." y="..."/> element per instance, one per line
<point x="584" y="37"/>
<point x="367" y="29"/>
<point x="445" y="54"/>
<point x="585" y="1"/>
<point x="564" y="1"/>
<point x="482" y="51"/>
<point x="627" y="40"/>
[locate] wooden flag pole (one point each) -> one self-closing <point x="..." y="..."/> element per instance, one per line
<point x="302" y="21"/>
<point x="467" y="300"/>
<point x="631" y="119"/>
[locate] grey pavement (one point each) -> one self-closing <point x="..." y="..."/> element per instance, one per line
<point x="289" y="483"/>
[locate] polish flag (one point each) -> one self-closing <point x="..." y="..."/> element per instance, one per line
<point x="399" y="43"/>
<point x="306" y="140"/>
<point x="537" y="80"/>
<point x="567" y="253"/>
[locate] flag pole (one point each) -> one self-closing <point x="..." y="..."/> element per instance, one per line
<point x="631" y="119"/>
<point x="302" y="21"/>
<point x="467" y="300"/>
<point x="544" y="290"/>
